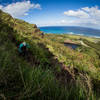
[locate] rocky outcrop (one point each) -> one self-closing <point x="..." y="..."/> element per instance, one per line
<point x="34" y="25"/>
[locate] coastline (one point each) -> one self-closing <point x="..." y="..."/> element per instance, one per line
<point x="88" y="32"/>
<point x="81" y="35"/>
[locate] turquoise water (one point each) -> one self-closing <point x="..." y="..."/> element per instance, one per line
<point x="71" y="30"/>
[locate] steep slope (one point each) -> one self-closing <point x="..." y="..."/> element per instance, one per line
<point x="19" y="80"/>
<point x="44" y="72"/>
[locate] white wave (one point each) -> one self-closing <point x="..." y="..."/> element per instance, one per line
<point x="80" y="34"/>
<point x="71" y="33"/>
<point x="93" y="36"/>
<point x="96" y="36"/>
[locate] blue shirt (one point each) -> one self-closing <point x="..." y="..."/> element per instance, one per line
<point x="22" y="45"/>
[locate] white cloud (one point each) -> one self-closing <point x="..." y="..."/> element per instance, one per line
<point x="78" y="13"/>
<point x="37" y="6"/>
<point x="19" y="9"/>
<point x="63" y="21"/>
<point x="94" y="12"/>
<point x="86" y="12"/>
<point x="1" y="6"/>
<point x="88" y="17"/>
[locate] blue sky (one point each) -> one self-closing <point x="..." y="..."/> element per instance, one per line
<point x="84" y="13"/>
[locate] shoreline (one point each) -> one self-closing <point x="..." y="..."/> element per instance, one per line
<point x="97" y="37"/>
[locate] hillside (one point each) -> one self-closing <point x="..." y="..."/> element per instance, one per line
<point x="50" y="71"/>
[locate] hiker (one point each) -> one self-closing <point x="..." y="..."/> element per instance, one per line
<point x="42" y="35"/>
<point x="23" y="48"/>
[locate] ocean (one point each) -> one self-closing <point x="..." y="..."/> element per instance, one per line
<point x="71" y="30"/>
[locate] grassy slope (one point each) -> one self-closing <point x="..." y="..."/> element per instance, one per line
<point x="85" y="59"/>
<point x="40" y="76"/>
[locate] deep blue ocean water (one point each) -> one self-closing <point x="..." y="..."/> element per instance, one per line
<point x="71" y="30"/>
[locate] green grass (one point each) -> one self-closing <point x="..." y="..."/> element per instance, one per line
<point x="37" y="77"/>
<point x="21" y="81"/>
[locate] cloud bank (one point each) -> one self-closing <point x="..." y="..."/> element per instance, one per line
<point x="78" y="13"/>
<point x="19" y="9"/>
<point x="84" y="17"/>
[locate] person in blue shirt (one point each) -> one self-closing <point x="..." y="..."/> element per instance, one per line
<point x="23" y="47"/>
<point x="42" y="34"/>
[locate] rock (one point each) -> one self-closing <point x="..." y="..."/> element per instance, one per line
<point x="34" y="26"/>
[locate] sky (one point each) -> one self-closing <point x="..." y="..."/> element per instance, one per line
<point x="84" y="13"/>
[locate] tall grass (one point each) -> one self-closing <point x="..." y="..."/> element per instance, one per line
<point x="20" y="80"/>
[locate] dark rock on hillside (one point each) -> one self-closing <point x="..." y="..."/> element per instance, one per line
<point x="34" y="25"/>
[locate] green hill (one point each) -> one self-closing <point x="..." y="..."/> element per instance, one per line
<point x="50" y="71"/>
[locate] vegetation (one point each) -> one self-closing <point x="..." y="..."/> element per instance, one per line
<point x="50" y="71"/>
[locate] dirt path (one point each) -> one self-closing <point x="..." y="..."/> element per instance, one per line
<point x="82" y="43"/>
